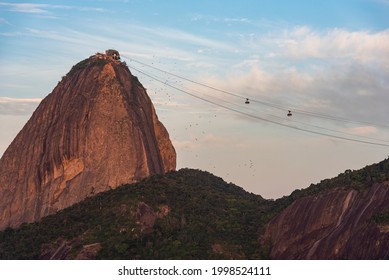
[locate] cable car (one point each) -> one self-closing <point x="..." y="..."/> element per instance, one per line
<point x="289" y="113"/>
<point x="247" y="101"/>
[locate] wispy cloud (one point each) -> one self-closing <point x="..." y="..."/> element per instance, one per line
<point x="138" y="40"/>
<point x="18" y="106"/>
<point x="185" y="144"/>
<point x="11" y="34"/>
<point x="211" y="18"/>
<point x="178" y="35"/>
<point x="4" y="21"/>
<point x="362" y="130"/>
<point x="304" y="43"/>
<point x="214" y="140"/>
<point x="37" y="8"/>
<point x="8" y="100"/>
<point x="334" y="71"/>
<point x="241" y="20"/>
<point x="25" y="7"/>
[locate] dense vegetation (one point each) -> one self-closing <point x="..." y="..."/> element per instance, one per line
<point x="359" y="180"/>
<point x="208" y="218"/>
<point x="204" y="211"/>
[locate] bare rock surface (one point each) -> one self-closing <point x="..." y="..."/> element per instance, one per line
<point x="146" y="216"/>
<point x="97" y="130"/>
<point x="338" y="224"/>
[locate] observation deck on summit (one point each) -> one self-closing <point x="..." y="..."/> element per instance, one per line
<point x="113" y="53"/>
<point x="109" y="54"/>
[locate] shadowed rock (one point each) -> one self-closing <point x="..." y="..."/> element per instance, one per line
<point x="338" y="224"/>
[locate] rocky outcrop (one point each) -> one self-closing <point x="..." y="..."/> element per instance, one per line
<point x="97" y="130"/>
<point x="69" y="249"/>
<point x="146" y="216"/>
<point x="339" y="224"/>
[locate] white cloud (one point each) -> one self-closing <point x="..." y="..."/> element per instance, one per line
<point x="364" y="46"/>
<point x="177" y="35"/>
<point x="8" y="100"/>
<point x="25" y="7"/>
<point x="11" y="34"/>
<point x="4" y="21"/>
<point x="35" y="8"/>
<point x="244" y="20"/>
<point x="334" y="72"/>
<point x="212" y="139"/>
<point x="346" y="90"/>
<point x="18" y="106"/>
<point x="136" y="41"/>
<point x="184" y="145"/>
<point x="362" y="130"/>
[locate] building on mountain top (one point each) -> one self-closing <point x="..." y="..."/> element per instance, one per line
<point x="113" y="53"/>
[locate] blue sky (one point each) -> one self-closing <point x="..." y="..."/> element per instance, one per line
<point x="327" y="61"/>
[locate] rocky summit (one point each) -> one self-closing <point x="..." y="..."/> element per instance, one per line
<point x="97" y="130"/>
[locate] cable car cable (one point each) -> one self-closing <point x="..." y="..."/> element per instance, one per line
<point x="270" y="104"/>
<point x="263" y="119"/>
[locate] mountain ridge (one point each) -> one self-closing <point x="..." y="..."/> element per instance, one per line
<point x="183" y="214"/>
<point x="192" y="214"/>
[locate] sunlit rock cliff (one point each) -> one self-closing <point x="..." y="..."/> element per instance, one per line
<point x="98" y="129"/>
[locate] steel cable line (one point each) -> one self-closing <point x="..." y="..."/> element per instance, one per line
<point x="245" y="107"/>
<point x="258" y="117"/>
<point x="295" y="121"/>
<point x="270" y="104"/>
<point x="280" y="118"/>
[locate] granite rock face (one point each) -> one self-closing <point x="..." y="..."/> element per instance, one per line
<point x="339" y="224"/>
<point x="97" y="130"/>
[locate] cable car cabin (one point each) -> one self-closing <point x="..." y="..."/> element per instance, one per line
<point x="289" y="113"/>
<point x="247" y="101"/>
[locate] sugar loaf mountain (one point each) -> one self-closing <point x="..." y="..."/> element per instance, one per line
<point x="96" y="130"/>
<point x="92" y="175"/>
